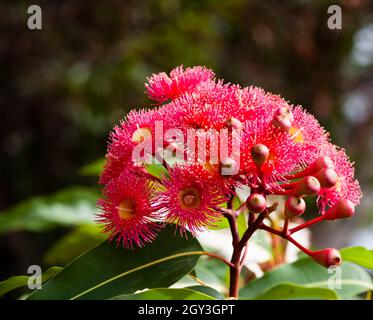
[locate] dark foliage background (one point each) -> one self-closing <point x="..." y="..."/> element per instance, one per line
<point x="64" y="87"/>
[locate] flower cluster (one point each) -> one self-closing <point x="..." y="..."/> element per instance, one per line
<point x="210" y="138"/>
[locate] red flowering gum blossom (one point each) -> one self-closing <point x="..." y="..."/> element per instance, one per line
<point x="329" y="257"/>
<point x="138" y="126"/>
<point x="189" y="197"/>
<point x="282" y="150"/>
<point x="126" y="211"/>
<point x="212" y="106"/>
<point x="161" y="87"/>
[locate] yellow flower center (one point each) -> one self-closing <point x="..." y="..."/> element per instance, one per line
<point x="127" y="209"/>
<point x="338" y="185"/>
<point x="141" y="134"/>
<point x="296" y="134"/>
<point x="190" y="198"/>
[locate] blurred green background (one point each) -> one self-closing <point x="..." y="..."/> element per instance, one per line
<point x="62" y="89"/>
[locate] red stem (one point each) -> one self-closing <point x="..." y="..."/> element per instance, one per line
<point x="235" y="272"/>
<point x="239" y="246"/>
<point x="235" y="268"/>
<point x="306" y="224"/>
<point x="287" y="237"/>
<point x="286" y="226"/>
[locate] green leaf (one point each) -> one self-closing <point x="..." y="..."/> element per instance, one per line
<point x="21" y="281"/>
<point x="165" y="294"/>
<point x="212" y="272"/>
<point x="220" y="224"/>
<point x="354" y="280"/>
<point x="241" y="220"/>
<point x="93" y="169"/>
<point x="293" y="291"/>
<point x="157" y="170"/>
<point x="208" y="291"/>
<point x="261" y="238"/>
<point x="241" y="224"/>
<point x="74" y="244"/>
<point x="73" y="206"/>
<point x="358" y="255"/>
<point x="107" y="271"/>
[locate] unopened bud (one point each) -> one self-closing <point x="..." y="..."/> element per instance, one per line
<point x="320" y="163"/>
<point x="234" y="123"/>
<point x="259" y="154"/>
<point x="294" y="207"/>
<point x="343" y="209"/>
<point x="256" y="203"/>
<point x="327" y="177"/>
<point x="282" y="123"/>
<point x="329" y="257"/>
<point x="308" y="186"/>
<point x="285" y="112"/>
<point x="283" y="118"/>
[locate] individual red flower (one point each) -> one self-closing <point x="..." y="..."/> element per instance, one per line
<point x="126" y="211"/>
<point x="254" y="102"/>
<point x="134" y="129"/>
<point x="161" y="87"/>
<point x="189" y="198"/>
<point x="210" y="107"/>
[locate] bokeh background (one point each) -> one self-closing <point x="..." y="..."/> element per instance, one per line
<point x="62" y="89"/>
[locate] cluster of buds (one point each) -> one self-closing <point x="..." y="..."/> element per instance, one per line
<point x="306" y="183"/>
<point x="280" y="150"/>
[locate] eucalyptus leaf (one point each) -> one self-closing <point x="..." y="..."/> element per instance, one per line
<point x="292" y="291"/>
<point x="358" y="255"/>
<point x="107" y="271"/>
<point x="74" y="244"/>
<point x="16" y="282"/>
<point x="212" y="273"/>
<point x="166" y="294"/>
<point x="208" y="290"/>
<point x="70" y="207"/>
<point x="353" y="279"/>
